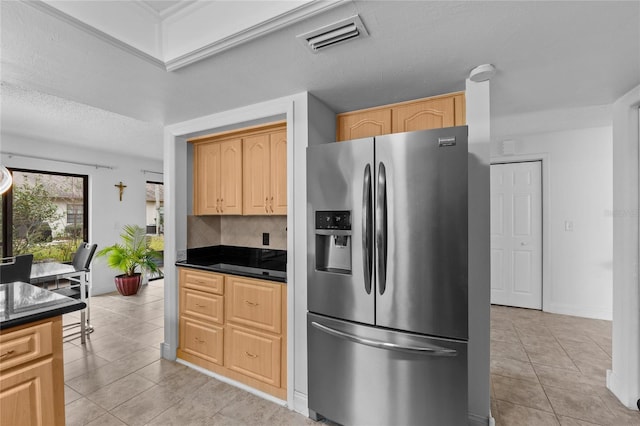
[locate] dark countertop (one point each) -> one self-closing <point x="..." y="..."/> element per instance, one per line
<point x="248" y="262"/>
<point x="22" y="303"/>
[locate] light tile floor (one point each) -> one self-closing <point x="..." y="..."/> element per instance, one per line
<point x="118" y="378"/>
<point x="546" y="369"/>
<point x="549" y="369"/>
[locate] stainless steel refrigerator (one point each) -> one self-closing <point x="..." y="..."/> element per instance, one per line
<point x="387" y="279"/>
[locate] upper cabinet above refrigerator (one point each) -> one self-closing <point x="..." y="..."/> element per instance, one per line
<point x="421" y="114"/>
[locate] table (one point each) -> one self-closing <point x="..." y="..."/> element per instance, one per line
<point x="51" y="271"/>
<point x="55" y="271"/>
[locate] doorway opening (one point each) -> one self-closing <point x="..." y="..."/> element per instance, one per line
<point x="154" y="207"/>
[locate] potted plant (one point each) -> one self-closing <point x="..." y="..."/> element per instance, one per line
<point x="131" y="254"/>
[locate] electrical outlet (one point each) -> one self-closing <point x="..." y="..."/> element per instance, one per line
<point x="568" y="225"/>
<point x="265" y="238"/>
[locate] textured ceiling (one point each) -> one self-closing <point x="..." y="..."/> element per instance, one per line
<point x="549" y="56"/>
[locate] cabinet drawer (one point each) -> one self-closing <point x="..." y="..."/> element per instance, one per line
<point x="201" y="305"/>
<point x="24" y="345"/>
<point x="254" y="303"/>
<point x="203" y="281"/>
<point x="202" y="340"/>
<point x="253" y="354"/>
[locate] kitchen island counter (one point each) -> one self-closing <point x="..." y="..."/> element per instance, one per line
<point x="22" y="303"/>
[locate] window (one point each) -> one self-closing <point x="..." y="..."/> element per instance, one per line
<point x="74" y="214"/>
<point x="45" y="213"/>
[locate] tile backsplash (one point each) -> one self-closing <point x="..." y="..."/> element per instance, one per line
<point x="241" y="231"/>
<point x="203" y="231"/>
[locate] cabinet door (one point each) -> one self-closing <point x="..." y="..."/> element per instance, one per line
<point x="253" y="354"/>
<point x="364" y="124"/>
<point x="231" y="177"/>
<point x="206" y="181"/>
<point x="27" y="395"/>
<point x="423" y="115"/>
<point x="278" y="198"/>
<point x="254" y="303"/>
<point x="256" y="171"/>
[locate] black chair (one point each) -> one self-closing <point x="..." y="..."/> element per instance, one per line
<point x="80" y="287"/>
<point x="17" y="268"/>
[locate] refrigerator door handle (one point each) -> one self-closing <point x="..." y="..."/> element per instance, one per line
<point x="367" y="247"/>
<point x="423" y="350"/>
<point x="381" y="227"/>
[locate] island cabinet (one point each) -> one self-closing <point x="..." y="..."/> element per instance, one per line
<point x="241" y="171"/>
<point x="217" y="180"/>
<point x="236" y="327"/>
<point x="422" y="114"/>
<point x="31" y="374"/>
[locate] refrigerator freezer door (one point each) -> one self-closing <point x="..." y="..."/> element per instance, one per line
<point x="336" y="177"/>
<point x="361" y="375"/>
<point x="421" y="231"/>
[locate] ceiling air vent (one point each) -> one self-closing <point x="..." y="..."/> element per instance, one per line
<point x="338" y="32"/>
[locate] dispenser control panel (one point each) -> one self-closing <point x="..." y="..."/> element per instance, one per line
<point x="340" y="220"/>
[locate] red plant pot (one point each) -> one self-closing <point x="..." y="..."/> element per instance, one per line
<point x="128" y="285"/>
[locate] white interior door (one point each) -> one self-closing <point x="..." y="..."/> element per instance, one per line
<point x="516" y="234"/>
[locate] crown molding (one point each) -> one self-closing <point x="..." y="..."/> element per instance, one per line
<point x="291" y="17"/>
<point x="52" y="11"/>
<point x="285" y="19"/>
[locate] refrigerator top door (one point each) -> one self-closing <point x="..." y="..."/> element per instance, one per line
<point x="421" y="232"/>
<point x="337" y="284"/>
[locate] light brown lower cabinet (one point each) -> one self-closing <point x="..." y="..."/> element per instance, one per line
<point x="236" y="327"/>
<point x="31" y="374"/>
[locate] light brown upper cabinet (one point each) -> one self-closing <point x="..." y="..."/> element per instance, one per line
<point x="265" y="173"/>
<point x="428" y="113"/>
<point x="241" y="171"/>
<point x="364" y="124"/>
<point x="217" y="183"/>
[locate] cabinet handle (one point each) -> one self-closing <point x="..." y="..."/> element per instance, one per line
<point x="250" y="355"/>
<point x="221" y="205"/>
<point x="200" y="306"/>
<point x="252" y="304"/>
<point x="199" y="282"/>
<point x="199" y="340"/>
<point x="271" y="204"/>
<point x="266" y="203"/>
<point x="218" y="205"/>
<point x="7" y="353"/>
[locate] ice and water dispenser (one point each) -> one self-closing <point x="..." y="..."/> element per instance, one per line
<point x="333" y="241"/>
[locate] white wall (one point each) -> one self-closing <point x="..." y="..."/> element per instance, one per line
<point x="624" y="377"/>
<point x="478" y="100"/>
<point x="578" y="165"/>
<point x="107" y="215"/>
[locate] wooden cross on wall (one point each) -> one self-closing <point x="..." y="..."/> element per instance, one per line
<point x="121" y="188"/>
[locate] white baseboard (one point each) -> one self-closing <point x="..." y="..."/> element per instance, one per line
<point x="301" y="403"/>
<point x="233" y="383"/>
<point x="579" y="311"/>
<point x="477" y="420"/>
